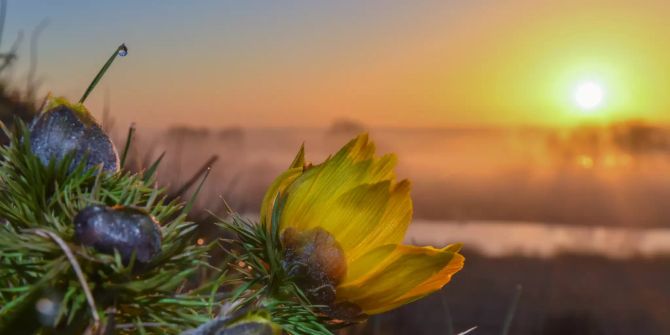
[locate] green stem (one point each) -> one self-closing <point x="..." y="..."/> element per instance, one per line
<point x="102" y="71"/>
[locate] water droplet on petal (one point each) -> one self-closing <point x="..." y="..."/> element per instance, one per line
<point x="123" y="50"/>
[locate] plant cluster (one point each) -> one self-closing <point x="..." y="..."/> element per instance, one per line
<point x="88" y="247"/>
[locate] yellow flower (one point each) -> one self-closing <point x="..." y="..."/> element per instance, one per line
<point x="342" y="223"/>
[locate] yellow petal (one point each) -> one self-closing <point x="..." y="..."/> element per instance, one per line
<point x="280" y="184"/>
<point x="369" y="216"/>
<point x="299" y="160"/>
<point x="368" y="264"/>
<point x="352" y="195"/>
<point x="397" y="276"/>
<point x="276" y="188"/>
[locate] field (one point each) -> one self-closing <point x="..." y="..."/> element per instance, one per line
<point x="569" y="294"/>
<point x="580" y="224"/>
<point x="614" y="176"/>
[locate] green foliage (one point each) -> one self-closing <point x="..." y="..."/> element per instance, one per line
<point x="262" y="282"/>
<point x="37" y="205"/>
<point x="236" y="322"/>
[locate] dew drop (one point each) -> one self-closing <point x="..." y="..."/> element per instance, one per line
<point x="45" y="306"/>
<point x="47" y="310"/>
<point x="123" y="50"/>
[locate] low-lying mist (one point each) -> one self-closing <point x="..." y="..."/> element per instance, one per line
<point x="616" y="175"/>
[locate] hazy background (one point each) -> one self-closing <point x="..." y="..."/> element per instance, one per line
<point x="391" y="63"/>
<point x="477" y="98"/>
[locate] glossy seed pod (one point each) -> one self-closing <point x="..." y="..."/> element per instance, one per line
<point x="66" y="128"/>
<point x="124" y="229"/>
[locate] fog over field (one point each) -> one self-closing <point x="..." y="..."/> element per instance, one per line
<point x="577" y="217"/>
<point x="586" y="189"/>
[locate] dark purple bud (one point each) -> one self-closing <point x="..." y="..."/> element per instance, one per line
<point x="66" y="128"/>
<point x="124" y="229"/>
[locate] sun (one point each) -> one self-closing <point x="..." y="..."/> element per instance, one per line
<point x="589" y="95"/>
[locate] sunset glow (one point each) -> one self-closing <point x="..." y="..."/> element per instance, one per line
<point x="432" y="63"/>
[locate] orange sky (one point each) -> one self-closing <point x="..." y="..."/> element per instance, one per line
<point x="387" y="63"/>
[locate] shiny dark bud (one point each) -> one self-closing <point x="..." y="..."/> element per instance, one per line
<point x="66" y="128"/>
<point x="124" y="229"/>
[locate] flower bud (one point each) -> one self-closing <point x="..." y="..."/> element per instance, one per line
<point x="124" y="229"/>
<point x="65" y="128"/>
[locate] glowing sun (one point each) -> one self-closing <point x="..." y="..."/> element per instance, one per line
<point x="589" y="95"/>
